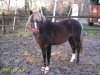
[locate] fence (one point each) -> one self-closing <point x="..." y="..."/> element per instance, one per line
<point x="15" y="23"/>
<point x="12" y="21"/>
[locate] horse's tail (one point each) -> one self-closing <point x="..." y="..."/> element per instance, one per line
<point x="81" y="44"/>
<point x="81" y="40"/>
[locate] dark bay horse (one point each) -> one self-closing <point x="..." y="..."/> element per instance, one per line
<point x="48" y="33"/>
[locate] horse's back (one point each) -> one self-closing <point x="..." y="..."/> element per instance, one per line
<point x="73" y="22"/>
<point x="63" y="30"/>
<point x="74" y="25"/>
<point x="76" y="28"/>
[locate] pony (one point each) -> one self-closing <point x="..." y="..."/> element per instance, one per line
<point x="48" y="33"/>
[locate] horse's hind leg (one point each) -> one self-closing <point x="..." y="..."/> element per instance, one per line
<point x="73" y="46"/>
<point x="78" y="46"/>
<point x="48" y="56"/>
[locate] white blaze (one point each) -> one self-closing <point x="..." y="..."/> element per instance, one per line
<point x="35" y="24"/>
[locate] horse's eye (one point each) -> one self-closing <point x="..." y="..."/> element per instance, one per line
<point x="31" y="20"/>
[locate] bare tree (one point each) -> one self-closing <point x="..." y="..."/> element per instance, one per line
<point x="54" y="11"/>
<point x="26" y="5"/>
<point x="30" y="4"/>
<point x="14" y="21"/>
<point x="8" y="5"/>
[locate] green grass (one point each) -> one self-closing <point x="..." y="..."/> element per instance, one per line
<point x="92" y="32"/>
<point x="93" y="27"/>
<point x="24" y="34"/>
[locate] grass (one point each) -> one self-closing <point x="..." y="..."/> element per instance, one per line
<point x="91" y="27"/>
<point x="24" y="34"/>
<point x="91" y="31"/>
<point x="20" y="34"/>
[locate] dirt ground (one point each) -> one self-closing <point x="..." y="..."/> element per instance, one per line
<point x="22" y="56"/>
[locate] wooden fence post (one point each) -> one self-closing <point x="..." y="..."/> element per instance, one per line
<point x="26" y="27"/>
<point x="14" y="21"/>
<point x="3" y="23"/>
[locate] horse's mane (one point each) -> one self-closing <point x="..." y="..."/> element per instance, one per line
<point x="39" y="16"/>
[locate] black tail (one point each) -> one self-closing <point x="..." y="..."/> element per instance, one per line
<point x="81" y="44"/>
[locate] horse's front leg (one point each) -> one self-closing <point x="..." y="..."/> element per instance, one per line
<point x="44" y="57"/>
<point x="48" y="56"/>
<point x="46" y="52"/>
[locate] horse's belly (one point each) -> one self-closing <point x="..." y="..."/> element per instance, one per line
<point x="59" y="41"/>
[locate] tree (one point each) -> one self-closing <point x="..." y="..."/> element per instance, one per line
<point x="26" y="5"/>
<point x="5" y="4"/>
<point x="54" y="11"/>
<point x="8" y="5"/>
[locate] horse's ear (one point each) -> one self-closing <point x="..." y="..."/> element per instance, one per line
<point x="30" y="12"/>
<point x="39" y="11"/>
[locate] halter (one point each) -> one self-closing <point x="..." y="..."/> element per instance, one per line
<point x="35" y="29"/>
<point x="39" y="17"/>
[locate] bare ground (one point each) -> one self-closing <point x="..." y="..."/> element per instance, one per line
<point x="23" y="57"/>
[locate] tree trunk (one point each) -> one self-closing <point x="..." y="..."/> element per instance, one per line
<point x="9" y="5"/>
<point x="14" y="21"/>
<point x="3" y="23"/>
<point x="54" y="11"/>
<point x="26" y="5"/>
<point x="30" y="4"/>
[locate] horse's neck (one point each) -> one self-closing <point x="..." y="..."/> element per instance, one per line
<point x="49" y="25"/>
<point x="46" y="27"/>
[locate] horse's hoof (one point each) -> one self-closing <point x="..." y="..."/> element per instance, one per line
<point x="47" y="68"/>
<point x="43" y="69"/>
<point x="71" y="60"/>
<point x="46" y="71"/>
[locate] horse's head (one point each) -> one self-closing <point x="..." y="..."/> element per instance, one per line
<point x="36" y="20"/>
